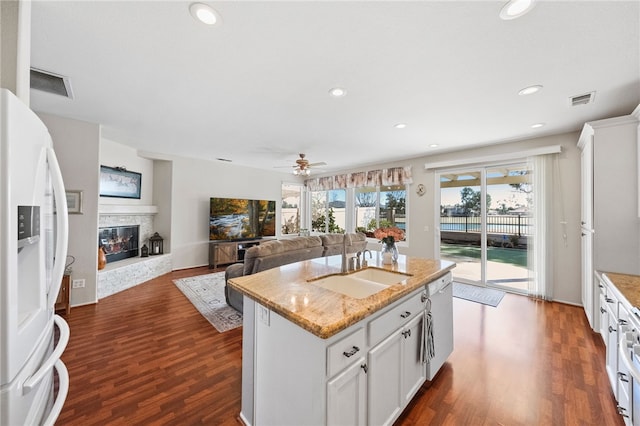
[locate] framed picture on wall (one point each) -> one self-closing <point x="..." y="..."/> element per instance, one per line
<point x="74" y="201"/>
<point x="119" y="182"/>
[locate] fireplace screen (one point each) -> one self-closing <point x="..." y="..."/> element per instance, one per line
<point x="119" y="242"/>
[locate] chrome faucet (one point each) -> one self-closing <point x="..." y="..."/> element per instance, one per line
<point x="345" y="266"/>
<point x="364" y="260"/>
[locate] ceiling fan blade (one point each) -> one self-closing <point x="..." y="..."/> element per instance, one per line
<point x="322" y="163"/>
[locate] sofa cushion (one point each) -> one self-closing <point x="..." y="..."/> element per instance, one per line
<point x="275" y="253"/>
<point x="333" y="243"/>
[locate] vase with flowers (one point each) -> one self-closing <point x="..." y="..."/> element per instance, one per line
<point x="388" y="237"/>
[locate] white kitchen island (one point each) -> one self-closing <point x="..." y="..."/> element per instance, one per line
<point x="313" y="356"/>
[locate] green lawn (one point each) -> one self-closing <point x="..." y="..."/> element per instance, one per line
<point x="516" y="257"/>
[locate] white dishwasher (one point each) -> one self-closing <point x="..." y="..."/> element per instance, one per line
<point x="440" y="306"/>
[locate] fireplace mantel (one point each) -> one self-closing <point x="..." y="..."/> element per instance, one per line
<point x="126" y="209"/>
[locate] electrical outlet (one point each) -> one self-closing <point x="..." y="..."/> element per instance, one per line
<point x="77" y="283"/>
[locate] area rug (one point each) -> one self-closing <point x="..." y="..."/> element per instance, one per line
<point x="486" y="296"/>
<point x="206" y="292"/>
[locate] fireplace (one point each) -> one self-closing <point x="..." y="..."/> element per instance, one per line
<point x="119" y="242"/>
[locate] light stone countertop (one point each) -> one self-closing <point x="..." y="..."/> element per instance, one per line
<point x="627" y="285"/>
<point x="287" y="291"/>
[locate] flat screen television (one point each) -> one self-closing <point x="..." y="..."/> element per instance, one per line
<point x="240" y="219"/>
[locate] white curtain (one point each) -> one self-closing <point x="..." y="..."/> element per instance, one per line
<point x="541" y="248"/>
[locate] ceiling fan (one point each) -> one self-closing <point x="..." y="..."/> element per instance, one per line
<point x="303" y="167"/>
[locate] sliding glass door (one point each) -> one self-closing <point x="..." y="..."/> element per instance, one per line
<point x="485" y="224"/>
<point x="461" y="223"/>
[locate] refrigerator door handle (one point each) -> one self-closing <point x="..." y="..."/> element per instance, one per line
<point x="63" y="390"/>
<point x="62" y="226"/>
<point x="33" y="381"/>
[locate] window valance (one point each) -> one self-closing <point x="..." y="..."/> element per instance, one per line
<point x="382" y="177"/>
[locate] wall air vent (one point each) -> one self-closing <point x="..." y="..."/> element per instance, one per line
<point x="51" y="83"/>
<point x="587" y="98"/>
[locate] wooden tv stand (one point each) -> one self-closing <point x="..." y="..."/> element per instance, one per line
<point x="226" y="252"/>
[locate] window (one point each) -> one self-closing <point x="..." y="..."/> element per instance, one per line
<point x="328" y="211"/>
<point x="382" y="206"/>
<point x="290" y="211"/>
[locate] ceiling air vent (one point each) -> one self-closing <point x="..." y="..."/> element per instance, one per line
<point x="587" y="98"/>
<point x="51" y="83"/>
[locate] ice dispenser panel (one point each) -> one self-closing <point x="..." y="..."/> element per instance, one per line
<point x="28" y="225"/>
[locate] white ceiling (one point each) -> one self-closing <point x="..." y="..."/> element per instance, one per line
<point x="255" y="89"/>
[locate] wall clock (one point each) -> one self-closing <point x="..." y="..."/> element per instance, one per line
<point x="420" y="190"/>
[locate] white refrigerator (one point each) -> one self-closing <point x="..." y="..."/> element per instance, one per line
<point x="33" y="250"/>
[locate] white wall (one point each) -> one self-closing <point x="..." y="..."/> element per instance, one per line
<point x="15" y="47"/>
<point x="422" y="210"/>
<point x="194" y="182"/>
<point x="182" y="188"/>
<point x="77" y="146"/>
<point x="162" y="196"/>
<point x="567" y="286"/>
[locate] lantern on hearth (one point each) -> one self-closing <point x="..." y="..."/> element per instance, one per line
<point x="156" y="244"/>
<point x="144" y="251"/>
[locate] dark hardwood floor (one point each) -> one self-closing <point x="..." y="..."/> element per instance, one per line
<point x="145" y="356"/>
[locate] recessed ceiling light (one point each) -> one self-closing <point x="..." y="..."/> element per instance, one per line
<point x="433" y="145"/>
<point x="537" y="125"/>
<point x="400" y="126"/>
<point x="530" y="90"/>
<point x="516" y="8"/>
<point x="337" y="92"/>
<point x="204" y="13"/>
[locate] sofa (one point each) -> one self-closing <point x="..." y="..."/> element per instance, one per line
<point x="274" y="253"/>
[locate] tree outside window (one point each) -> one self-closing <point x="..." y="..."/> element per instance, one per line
<point x="328" y="211"/>
<point x="380" y="208"/>
<point x="290" y="211"/>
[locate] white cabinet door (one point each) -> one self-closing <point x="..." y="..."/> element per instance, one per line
<point x="612" y="341"/>
<point x="347" y="396"/>
<point x="623" y="376"/>
<point x="442" y="316"/>
<point x="604" y="317"/>
<point x="396" y="372"/>
<point x="414" y="370"/>
<point x="385" y="372"/>
<point x="586" y="224"/>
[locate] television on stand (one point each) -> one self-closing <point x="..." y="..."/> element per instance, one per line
<point x="237" y="219"/>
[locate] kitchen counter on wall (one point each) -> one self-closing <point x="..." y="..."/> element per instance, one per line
<point x="627" y="285"/>
<point x="289" y="290"/>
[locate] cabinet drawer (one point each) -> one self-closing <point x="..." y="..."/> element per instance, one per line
<point x="395" y="318"/>
<point x="345" y="351"/>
